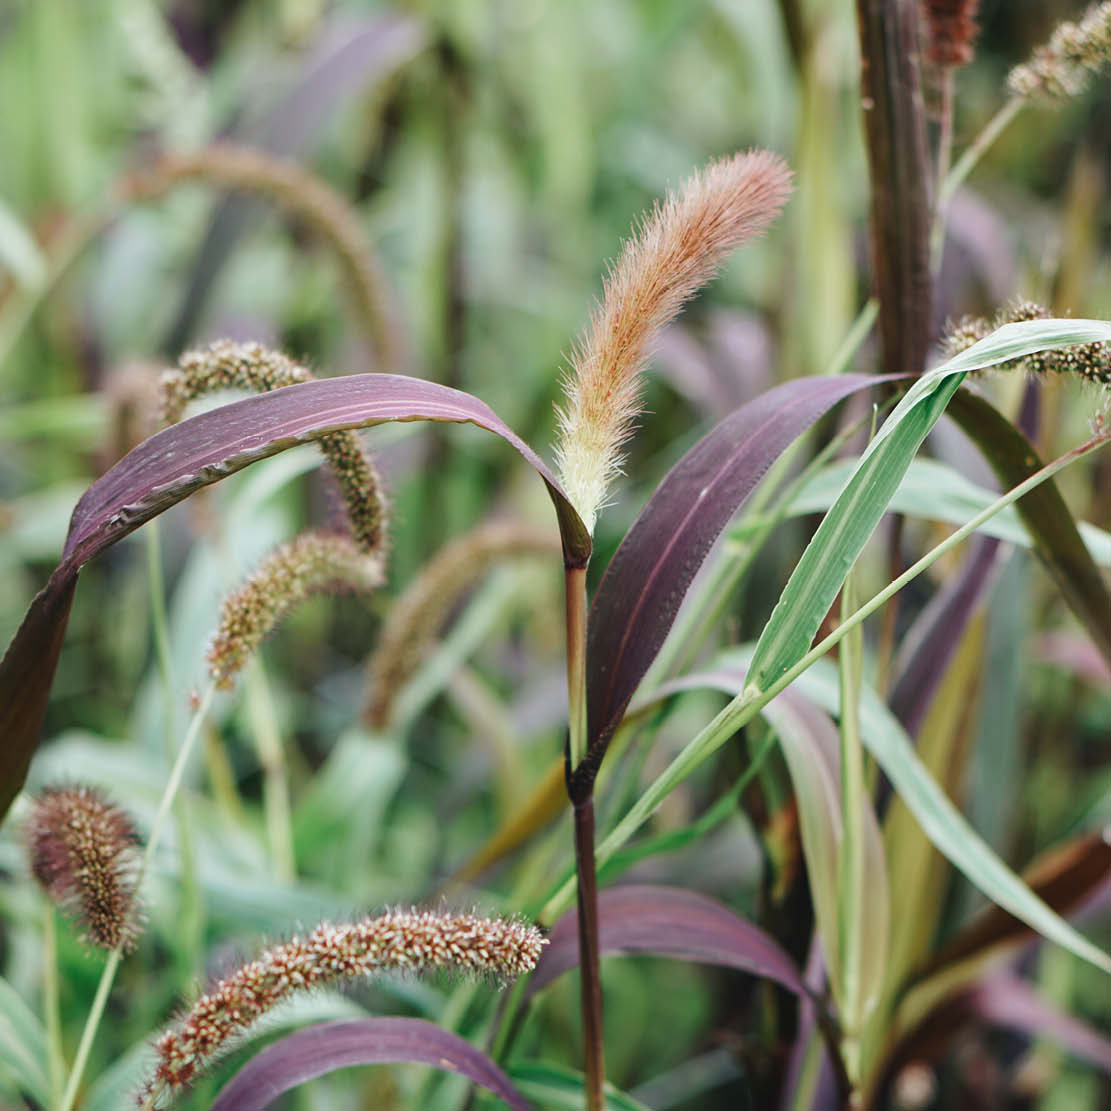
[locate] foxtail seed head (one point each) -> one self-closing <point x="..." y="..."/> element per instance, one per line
<point x="402" y="940"/>
<point x="82" y="850"/>
<point x="1075" y="53"/>
<point x="674" y="251"/>
<point x="313" y="563"/>
<point x="1090" y="361"/>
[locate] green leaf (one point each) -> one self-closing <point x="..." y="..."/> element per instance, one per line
<point x="940" y="820"/>
<point x="556" y="1088"/>
<point x="23" y="1044"/>
<point x="845" y="529"/>
<point x="931" y="490"/>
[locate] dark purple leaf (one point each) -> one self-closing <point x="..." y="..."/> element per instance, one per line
<point x="178" y="461"/>
<point x="322" y="1049"/>
<point x="934" y="637"/>
<point x="1057" y="541"/>
<point x="649" y="576"/>
<point x="1005" y="1000"/>
<point x="349" y="60"/>
<point x="668" y="922"/>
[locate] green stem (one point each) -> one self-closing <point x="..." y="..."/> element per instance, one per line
<point x="956" y="177"/>
<point x="51" y="1008"/>
<point x="850" y="868"/>
<point x="752" y="700"/>
<point x="275" y="787"/>
<point x="107" y="977"/>
<point x="575" y="580"/>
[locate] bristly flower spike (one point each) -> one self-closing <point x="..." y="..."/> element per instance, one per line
<point x="1090" y="361"/>
<point x="1075" y="53"/>
<point x="401" y="940"/>
<point x="82" y="850"/>
<point x="674" y="251"/>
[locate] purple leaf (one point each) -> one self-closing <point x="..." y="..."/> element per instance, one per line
<point x="668" y="922"/>
<point x="178" y="461"/>
<point x="321" y="1049"/>
<point x="935" y="636"/>
<point x="1005" y="1000"/>
<point x="648" y="577"/>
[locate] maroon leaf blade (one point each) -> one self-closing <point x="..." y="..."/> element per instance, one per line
<point x="1007" y="1001"/>
<point x="648" y="577"/>
<point x="936" y="635"/>
<point x="668" y="922"/>
<point x="323" y="1048"/>
<point x="180" y="460"/>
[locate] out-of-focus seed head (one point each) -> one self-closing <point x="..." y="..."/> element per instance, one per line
<point x="82" y="850"/>
<point x="952" y="31"/>
<point x="1064" y="66"/>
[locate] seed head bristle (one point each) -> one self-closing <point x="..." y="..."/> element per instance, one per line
<point x="1063" y="67"/>
<point x="82" y="850"/>
<point x="673" y="252"/>
<point x="400" y="940"/>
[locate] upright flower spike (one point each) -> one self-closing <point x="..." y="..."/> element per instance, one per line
<point x="675" y="250"/>
<point x="402" y="940"/>
<point x="82" y="852"/>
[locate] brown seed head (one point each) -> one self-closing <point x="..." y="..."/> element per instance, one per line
<point x="82" y="852"/>
<point x="952" y="31"/>
<point x="313" y="563"/>
<point x="402" y="940"/>
<point x="674" y="251"/>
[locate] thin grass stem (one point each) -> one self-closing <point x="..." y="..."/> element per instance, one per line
<point x="108" y="976"/>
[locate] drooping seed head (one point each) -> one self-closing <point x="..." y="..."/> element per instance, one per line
<point x="313" y="563"/>
<point x="674" y="251"/>
<point x="401" y="940"/>
<point x="82" y="850"/>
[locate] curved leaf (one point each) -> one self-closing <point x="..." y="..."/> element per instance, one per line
<point x="940" y="820"/>
<point x="668" y="922"/>
<point x="930" y="489"/>
<point x="845" y="529"/>
<point x="1057" y="539"/>
<point x="178" y="461"/>
<point x="649" y="575"/>
<point x="23" y="1051"/>
<point x="318" y="1050"/>
<point x="557" y="1088"/>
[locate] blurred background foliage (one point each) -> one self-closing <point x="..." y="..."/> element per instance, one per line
<point x="495" y="152"/>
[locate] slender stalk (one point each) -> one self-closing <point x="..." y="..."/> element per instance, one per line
<point x="575" y="580"/>
<point x="751" y="700"/>
<point x="107" y="977"/>
<point x="51" y="1008"/>
<point x="979" y="146"/>
<point x="590" y="974"/>
<point x="275" y="788"/>
<point x="850" y="867"/>
<point x="587" y="885"/>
